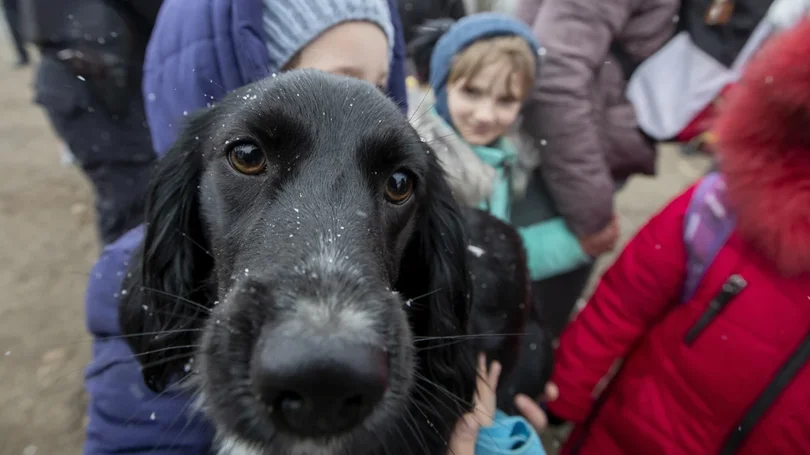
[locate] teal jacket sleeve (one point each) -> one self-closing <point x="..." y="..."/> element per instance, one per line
<point x="508" y="436"/>
<point x="552" y="249"/>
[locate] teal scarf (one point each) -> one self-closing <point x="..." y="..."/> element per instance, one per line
<point x="502" y="156"/>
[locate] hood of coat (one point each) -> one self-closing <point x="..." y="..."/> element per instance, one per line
<point x="763" y="150"/>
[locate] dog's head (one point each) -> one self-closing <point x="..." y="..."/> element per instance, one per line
<point x="303" y="259"/>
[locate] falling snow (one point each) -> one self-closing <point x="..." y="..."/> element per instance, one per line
<point x="477" y="251"/>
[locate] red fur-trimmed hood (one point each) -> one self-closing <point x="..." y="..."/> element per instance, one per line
<point x="763" y="137"/>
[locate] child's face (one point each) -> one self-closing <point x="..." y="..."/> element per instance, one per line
<point x="357" y="49"/>
<point x="483" y="107"/>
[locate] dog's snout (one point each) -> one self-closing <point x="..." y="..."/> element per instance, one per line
<point x="319" y="387"/>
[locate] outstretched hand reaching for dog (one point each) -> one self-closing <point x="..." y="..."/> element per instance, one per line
<point x="462" y="441"/>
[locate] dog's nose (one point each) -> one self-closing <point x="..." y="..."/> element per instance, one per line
<point x="318" y="387"/>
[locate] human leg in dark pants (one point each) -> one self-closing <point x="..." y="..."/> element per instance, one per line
<point x="12" y="12"/>
<point x="115" y="152"/>
<point x="556" y="296"/>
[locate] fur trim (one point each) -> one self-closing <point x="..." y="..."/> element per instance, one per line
<point x="763" y="137"/>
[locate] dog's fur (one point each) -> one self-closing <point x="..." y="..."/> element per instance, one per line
<point x="227" y="255"/>
<point x="502" y="322"/>
<point x="501" y="287"/>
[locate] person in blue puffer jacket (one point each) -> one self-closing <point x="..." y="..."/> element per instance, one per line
<point x="200" y="50"/>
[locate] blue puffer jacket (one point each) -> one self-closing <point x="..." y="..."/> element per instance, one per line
<point x="199" y="51"/>
<point x="202" y="49"/>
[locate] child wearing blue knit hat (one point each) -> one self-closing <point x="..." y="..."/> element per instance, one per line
<point x="350" y="37"/>
<point x="482" y="69"/>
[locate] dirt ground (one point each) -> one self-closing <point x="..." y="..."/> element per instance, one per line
<point x="48" y="243"/>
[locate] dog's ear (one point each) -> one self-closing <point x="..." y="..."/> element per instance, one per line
<point x="166" y="299"/>
<point x="434" y="274"/>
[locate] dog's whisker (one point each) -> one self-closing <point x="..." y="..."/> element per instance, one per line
<point x="430" y="423"/>
<point x="185" y="427"/>
<point x="438" y="346"/>
<point x="212" y="82"/>
<point x="427" y="294"/>
<point x="461" y="410"/>
<point x="168" y="348"/>
<point x="185" y="317"/>
<point x="179" y="298"/>
<point x="415" y="301"/>
<point x="156" y="333"/>
<point x="194" y="242"/>
<point x="166" y="360"/>
<point x="458" y="340"/>
<point x="412" y="425"/>
<point x="89" y="339"/>
<point x="462" y="403"/>
<point x="141" y="406"/>
<point x="428" y="110"/>
<point x="469" y="336"/>
<point x="172" y="388"/>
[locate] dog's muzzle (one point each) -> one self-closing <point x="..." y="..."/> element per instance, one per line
<point x="317" y="386"/>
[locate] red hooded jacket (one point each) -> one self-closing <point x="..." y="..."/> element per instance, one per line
<point x="672" y="398"/>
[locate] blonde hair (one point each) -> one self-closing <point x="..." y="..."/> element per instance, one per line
<point x="514" y="49"/>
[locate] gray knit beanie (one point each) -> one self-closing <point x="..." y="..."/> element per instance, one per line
<point x="292" y="24"/>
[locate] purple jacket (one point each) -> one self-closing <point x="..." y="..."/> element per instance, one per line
<point x="199" y="51"/>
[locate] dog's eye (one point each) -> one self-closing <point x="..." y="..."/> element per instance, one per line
<point x="399" y="187"/>
<point x="247" y="159"/>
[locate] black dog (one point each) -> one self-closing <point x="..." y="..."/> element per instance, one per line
<point x="503" y="323"/>
<point x="303" y="249"/>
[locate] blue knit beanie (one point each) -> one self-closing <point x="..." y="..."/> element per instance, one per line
<point x="292" y="24"/>
<point x="463" y="33"/>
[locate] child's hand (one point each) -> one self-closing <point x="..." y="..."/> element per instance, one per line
<point x="485" y="386"/>
<point x="601" y="242"/>
<point x="532" y="411"/>
<point x="462" y="442"/>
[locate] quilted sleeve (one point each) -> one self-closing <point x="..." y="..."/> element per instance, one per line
<point x="191" y="61"/>
<point x="635" y="292"/>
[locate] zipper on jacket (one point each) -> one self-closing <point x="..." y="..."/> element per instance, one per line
<point x="731" y="288"/>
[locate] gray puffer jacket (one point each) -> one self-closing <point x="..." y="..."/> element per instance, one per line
<point x="581" y="123"/>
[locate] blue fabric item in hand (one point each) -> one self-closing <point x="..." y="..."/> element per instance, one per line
<point x="508" y="435"/>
